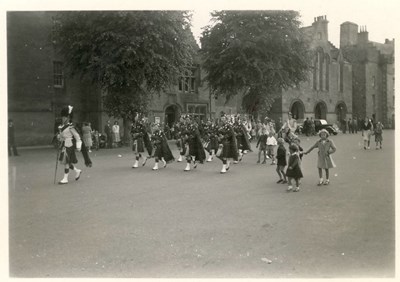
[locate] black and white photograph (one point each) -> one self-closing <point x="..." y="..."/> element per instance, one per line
<point x="204" y="140"/>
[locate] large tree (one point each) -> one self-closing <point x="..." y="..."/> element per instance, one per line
<point x="130" y="54"/>
<point x="254" y="53"/>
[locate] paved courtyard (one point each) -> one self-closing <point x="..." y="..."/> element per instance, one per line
<point x="122" y="222"/>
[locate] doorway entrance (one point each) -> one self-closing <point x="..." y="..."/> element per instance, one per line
<point x="171" y="115"/>
<point x="320" y="110"/>
<point x="297" y="110"/>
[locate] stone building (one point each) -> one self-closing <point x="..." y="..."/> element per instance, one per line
<point x="356" y="79"/>
<point x="373" y="73"/>
<point x="327" y="94"/>
<point x="39" y="85"/>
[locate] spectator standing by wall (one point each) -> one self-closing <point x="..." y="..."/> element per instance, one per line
<point x="378" y="130"/>
<point x="87" y="135"/>
<point x="355" y="125"/>
<point x="108" y="132"/>
<point x="350" y="126"/>
<point x="312" y="126"/>
<point x="116" y="135"/>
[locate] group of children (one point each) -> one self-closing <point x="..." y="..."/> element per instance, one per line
<point x="267" y="143"/>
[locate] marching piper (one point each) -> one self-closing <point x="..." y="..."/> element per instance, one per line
<point x="161" y="149"/>
<point x="211" y="138"/>
<point x="242" y="138"/>
<point x="141" y="140"/>
<point x="195" y="146"/>
<point x="70" y="141"/>
<point x="227" y="144"/>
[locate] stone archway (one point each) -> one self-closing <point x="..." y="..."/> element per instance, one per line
<point x="297" y="110"/>
<point x="171" y="114"/>
<point x="320" y="110"/>
<point x="341" y="111"/>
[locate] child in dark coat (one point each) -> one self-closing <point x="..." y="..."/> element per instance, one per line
<point x="294" y="170"/>
<point x="296" y="141"/>
<point x="281" y="157"/>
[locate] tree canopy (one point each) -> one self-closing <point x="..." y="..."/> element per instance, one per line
<point x="256" y="53"/>
<point x="130" y="54"/>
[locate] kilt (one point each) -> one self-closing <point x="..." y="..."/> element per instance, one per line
<point x="212" y="144"/>
<point x="229" y="150"/>
<point x="138" y="145"/>
<point x="68" y="156"/>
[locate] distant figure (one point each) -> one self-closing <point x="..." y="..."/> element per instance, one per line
<point x="312" y="126"/>
<point x="350" y="126"/>
<point x="355" y="125"/>
<point x="307" y="127"/>
<point x="262" y="144"/>
<point x="11" y="139"/>
<point x="108" y="132"/>
<point x="344" y="125"/>
<point x="289" y="127"/>
<point x="378" y="130"/>
<point x="116" y="136"/>
<point x="87" y="135"/>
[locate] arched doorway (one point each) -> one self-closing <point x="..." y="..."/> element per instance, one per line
<point x="297" y="110"/>
<point x="341" y="111"/>
<point x="171" y="114"/>
<point x="320" y="110"/>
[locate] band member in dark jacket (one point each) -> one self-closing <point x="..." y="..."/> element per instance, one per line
<point x="242" y="139"/>
<point x="227" y="144"/>
<point x="211" y="139"/>
<point x="196" y="149"/>
<point x="141" y="140"/>
<point x="161" y="149"/>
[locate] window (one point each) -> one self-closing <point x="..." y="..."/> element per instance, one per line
<point x="187" y="82"/>
<point x="341" y="77"/>
<point x="321" y="70"/>
<point x="197" y="110"/>
<point x="319" y="35"/>
<point x="327" y="60"/>
<point x="58" y="74"/>
<point x="373" y="81"/>
<point x="315" y="69"/>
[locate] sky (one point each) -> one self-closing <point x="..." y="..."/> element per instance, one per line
<point x="380" y="17"/>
